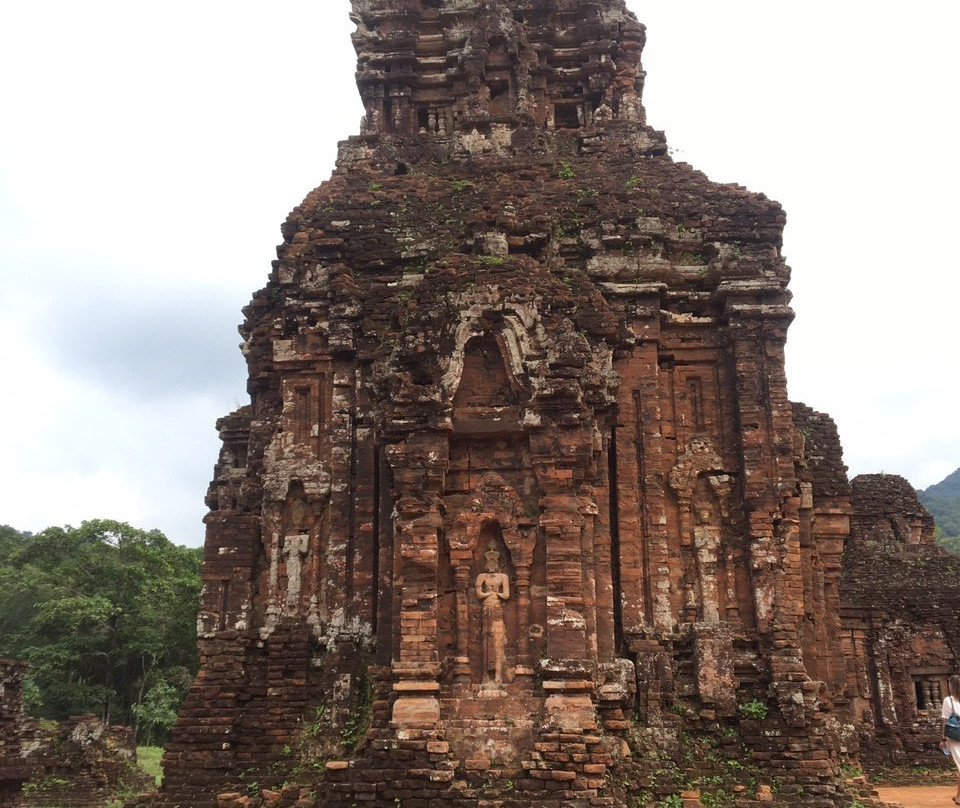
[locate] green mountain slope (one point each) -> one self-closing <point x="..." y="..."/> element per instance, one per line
<point x="943" y="501"/>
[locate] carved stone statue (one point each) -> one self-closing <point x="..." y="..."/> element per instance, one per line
<point x="492" y="588"/>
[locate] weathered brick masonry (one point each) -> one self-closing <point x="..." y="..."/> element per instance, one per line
<point x="900" y="622"/>
<point x="519" y="478"/>
<point x="14" y="768"/>
<point x="80" y="763"/>
<point x="77" y="763"/>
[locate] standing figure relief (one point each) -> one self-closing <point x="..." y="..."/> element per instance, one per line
<point x="493" y="588"/>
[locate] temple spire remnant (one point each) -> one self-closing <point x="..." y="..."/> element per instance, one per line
<point x="519" y="481"/>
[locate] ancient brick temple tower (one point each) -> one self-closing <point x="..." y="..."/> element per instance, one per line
<point x="519" y="465"/>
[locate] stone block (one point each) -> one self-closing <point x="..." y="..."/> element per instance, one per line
<point x="416" y="711"/>
<point x="477" y="764"/>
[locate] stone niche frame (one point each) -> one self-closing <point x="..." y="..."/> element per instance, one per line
<point x="492" y="504"/>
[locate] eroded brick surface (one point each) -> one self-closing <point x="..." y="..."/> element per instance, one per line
<point x="14" y="768"/>
<point x="519" y="480"/>
<point x="79" y="763"/>
<point x="900" y="622"/>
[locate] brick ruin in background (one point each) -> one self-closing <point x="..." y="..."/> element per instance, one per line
<point x="14" y="769"/>
<point x="900" y="621"/>
<point x="80" y="763"/>
<point x="519" y="495"/>
<point x="898" y="603"/>
<point x="77" y="763"/>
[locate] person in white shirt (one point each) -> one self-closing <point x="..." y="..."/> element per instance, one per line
<point x="951" y="705"/>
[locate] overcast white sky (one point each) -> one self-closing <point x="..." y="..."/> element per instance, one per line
<point x="149" y="152"/>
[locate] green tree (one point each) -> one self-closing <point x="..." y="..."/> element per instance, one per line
<point x="103" y="612"/>
<point x="158" y="710"/>
<point x="10" y="540"/>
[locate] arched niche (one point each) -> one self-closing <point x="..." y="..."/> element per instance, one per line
<point x="491" y="517"/>
<point x="487" y="398"/>
<point x="499" y="78"/>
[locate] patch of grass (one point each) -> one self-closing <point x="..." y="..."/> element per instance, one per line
<point x="148" y="759"/>
<point x="911" y="775"/>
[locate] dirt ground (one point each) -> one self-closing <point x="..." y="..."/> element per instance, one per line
<point x="933" y="796"/>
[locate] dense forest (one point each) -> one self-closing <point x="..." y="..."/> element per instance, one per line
<point x="943" y="501"/>
<point x="105" y="614"/>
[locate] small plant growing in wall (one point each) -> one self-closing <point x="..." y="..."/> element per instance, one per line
<point x="566" y="171"/>
<point x="641" y="799"/>
<point x="848" y="770"/>
<point x="567" y="229"/>
<point x="754" y="709"/>
<point x="354" y="731"/>
<point x="34" y="787"/>
<point x="716" y="799"/>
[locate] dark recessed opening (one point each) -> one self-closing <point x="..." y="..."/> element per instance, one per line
<point x="388" y="115"/>
<point x="423" y="118"/>
<point x="565" y="116"/>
